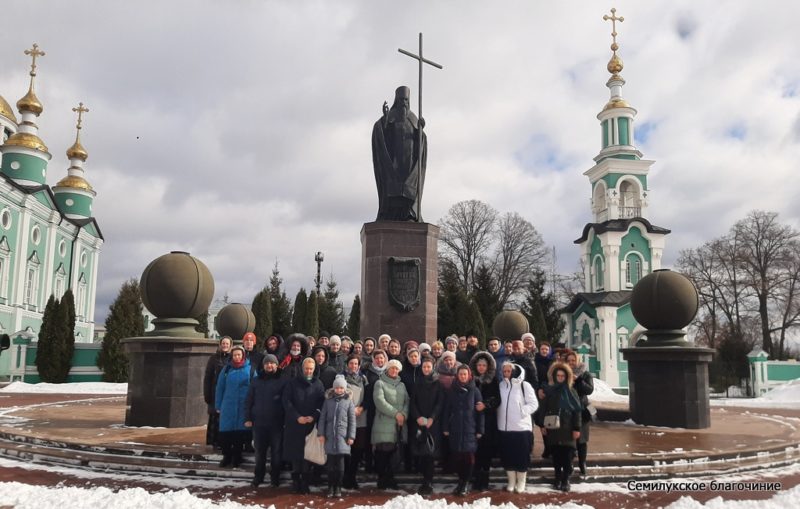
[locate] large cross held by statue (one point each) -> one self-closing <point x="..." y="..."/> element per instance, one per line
<point x="421" y="60"/>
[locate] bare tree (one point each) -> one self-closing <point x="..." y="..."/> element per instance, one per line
<point x="520" y="251"/>
<point x="765" y="255"/>
<point x="467" y="233"/>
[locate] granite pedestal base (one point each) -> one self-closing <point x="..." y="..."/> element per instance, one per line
<point x="668" y="386"/>
<point x="165" y="381"/>
<point x="380" y="241"/>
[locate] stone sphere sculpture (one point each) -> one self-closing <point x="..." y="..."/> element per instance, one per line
<point x="177" y="285"/>
<point x="176" y="288"/>
<point x="235" y="320"/>
<point x="664" y="302"/>
<point x="510" y="325"/>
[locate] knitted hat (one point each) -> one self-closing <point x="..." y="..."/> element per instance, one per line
<point x="448" y="354"/>
<point x="335" y="339"/>
<point x="270" y="358"/>
<point x="424" y="347"/>
<point x="394" y="363"/>
<point x="451" y="339"/>
<point x="339" y="381"/>
<point x="527" y="335"/>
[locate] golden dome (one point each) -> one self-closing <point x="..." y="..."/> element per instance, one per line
<point x="30" y="103"/>
<point x="75" y="182"/>
<point x="76" y="151"/>
<point x="616" y="103"/>
<point x="615" y="64"/>
<point x="5" y="110"/>
<point x="27" y="140"/>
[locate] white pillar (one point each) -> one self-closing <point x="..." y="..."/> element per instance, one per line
<point x="609" y="369"/>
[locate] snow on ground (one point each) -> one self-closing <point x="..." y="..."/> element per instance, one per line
<point x="783" y="396"/>
<point x="417" y="502"/>
<point x="603" y="394"/>
<point x="24" y="496"/>
<point x="782" y="500"/>
<point x="67" y="388"/>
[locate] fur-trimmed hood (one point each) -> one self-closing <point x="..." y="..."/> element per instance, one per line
<point x="559" y="365"/>
<point x="491" y="370"/>
<point x="330" y="394"/>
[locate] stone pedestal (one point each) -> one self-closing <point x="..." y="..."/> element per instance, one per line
<point x="669" y="386"/>
<point x="165" y="381"/>
<point x="404" y="307"/>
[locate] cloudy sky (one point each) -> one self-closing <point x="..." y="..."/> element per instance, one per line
<point x="240" y="131"/>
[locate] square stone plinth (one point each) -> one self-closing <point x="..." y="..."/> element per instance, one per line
<point x="380" y="241"/>
<point x="668" y="386"/>
<point x="165" y="381"/>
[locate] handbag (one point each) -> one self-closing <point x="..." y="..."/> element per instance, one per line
<point x="592" y="412"/>
<point x="552" y="421"/>
<point x="314" y="451"/>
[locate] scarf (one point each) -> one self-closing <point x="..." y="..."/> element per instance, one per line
<point x="238" y="364"/>
<point x="566" y="398"/>
<point x="289" y="359"/>
<point x="356" y="379"/>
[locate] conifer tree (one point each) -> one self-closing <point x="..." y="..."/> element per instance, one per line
<point x="541" y="309"/>
<point x="47" y="351"/>
<point x="331" y="310"/>
<point x="354" y="320"/>
<point x="65" y="335"/>
<point x="202" y="324"/>
<point x="473" y="323"/>
<point x="312" y="317"/>
<point x="279" y="302"/>
<point x="125" y="320"/>
<point x="299" y="313"/>
<point x="262" y="310"/>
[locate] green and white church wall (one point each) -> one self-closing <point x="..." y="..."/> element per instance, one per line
<point x="767" y="374"/>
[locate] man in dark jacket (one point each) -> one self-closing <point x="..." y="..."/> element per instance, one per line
<point x="519" y="357"/>
<point x="302" y="400"/>
<point x="264" y="414"/>
<point x="255" y="357"/>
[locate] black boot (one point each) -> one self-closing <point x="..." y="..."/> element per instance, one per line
<point x="275" y="480"/>
<point x="255" y="483"/>
<point x="331" y="490"/>
<point x="337" y="491"/>
<point x="481" y="481"/>
<point x="226" y="461"/>
<point x="460" y="487"/>
<point x="237" y="459"/>
<point x="304" y="488"/>
<point x="296" y="486"/>
<point x="425" y="489"/>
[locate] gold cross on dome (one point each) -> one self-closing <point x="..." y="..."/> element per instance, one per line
<point x="80" y="110"/>
<point x="34" y="53"/>
<point x="613" y="18"/>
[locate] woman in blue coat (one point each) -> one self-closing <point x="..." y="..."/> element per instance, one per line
<point x="462" y="424"/>
<point x="231" y="393"/>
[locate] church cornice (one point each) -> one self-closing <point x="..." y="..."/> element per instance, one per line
<point x="614" y="165"/>
<point x="619" y="225"/>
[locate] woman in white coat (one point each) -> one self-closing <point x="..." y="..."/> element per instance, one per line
<point x="517" y="404"/>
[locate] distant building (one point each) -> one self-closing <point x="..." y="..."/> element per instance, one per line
<point x="49" y="239"/>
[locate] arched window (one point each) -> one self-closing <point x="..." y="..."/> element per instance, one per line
<point x="599" y="197"/>
<point x="633" y="270"/>
<point x="629" y="203"/>
<point x="598" y="273"/>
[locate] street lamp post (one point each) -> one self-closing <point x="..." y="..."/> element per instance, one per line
<point x="318" y="258"/>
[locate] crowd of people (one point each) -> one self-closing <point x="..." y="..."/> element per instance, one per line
<point x="382" y="405"/>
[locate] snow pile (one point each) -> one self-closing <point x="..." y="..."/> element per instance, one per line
<point x="603" y="394"/>
<point x="67" y="388"/>
<point x="789" y="392"/>
<point x="417" y="502"/>
<point x="781" y="500"/>
<point x="24" y="496"/>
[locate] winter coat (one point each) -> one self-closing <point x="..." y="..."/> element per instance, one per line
<point x="337" y="361"/>
<point x="264" y="406"/>
<point x="517" y="403"/>
<point x="460" y="419"/>
<point x="324" y="371"/>
<point x="372" y="374"/>
<point x="562" y="400"/>
<point x="357" y="385"/>
<point x="277" y="351"/>
<point x="499" y="358"/>
<point x="584" y="385"/>
<point x="214" y="367"/>
<point x="232" y="386"/>
<point x="530" y="369"/>
<point x="489" y="387"/>
<point x="292" y="367"/>
<point x="410" y="375"/>
<point x="301" y="397"/>
<point x="390" y="398"/>
<point x="256" y="359"/>
<point x="463" y="356"/>
<point x="542" y="365"/>
<point x="427" y="401"/>
<point x="337" y="422"/>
